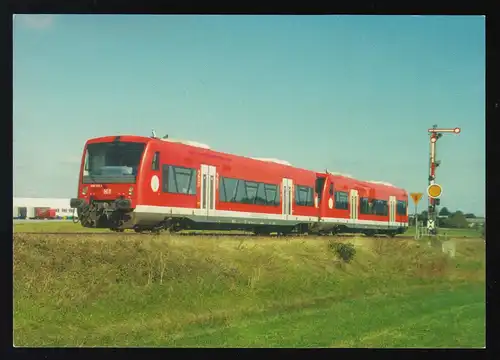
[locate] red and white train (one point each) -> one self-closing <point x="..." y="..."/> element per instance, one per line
<point x="149" y="184"/>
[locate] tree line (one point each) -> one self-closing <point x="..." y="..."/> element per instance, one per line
<point x="448" y="219"/>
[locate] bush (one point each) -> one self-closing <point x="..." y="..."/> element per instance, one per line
<point x="344" y="251"/>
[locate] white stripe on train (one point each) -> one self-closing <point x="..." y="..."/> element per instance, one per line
<point x="167" y="210"/>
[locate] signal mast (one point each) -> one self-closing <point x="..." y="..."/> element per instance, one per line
<point x="434" y="190"/>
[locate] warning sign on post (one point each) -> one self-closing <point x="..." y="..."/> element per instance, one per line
<point x="434" y="191"/>
<point x="416" y="197"/>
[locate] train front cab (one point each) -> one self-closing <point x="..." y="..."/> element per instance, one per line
<point x="346" y="205"/>
<point x="108" y="184"/>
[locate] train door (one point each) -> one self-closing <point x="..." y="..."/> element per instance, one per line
<point x="207" y="195"/>
<point x="322" y="205"/>
<point x="354" y="206"/>
<point x="286" y="195"/>
<point x="392" y="210"/>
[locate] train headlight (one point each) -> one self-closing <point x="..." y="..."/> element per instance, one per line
<point x="84" y="190"/>
<point x="131" y="190"/>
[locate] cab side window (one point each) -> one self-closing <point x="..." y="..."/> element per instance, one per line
<point x="156" y="161"/>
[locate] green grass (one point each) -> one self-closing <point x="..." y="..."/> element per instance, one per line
<point x="90" y="290"/>
<point x="416" y="317"/>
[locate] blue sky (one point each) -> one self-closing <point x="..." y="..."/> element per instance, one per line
<point x="354" y="94"/>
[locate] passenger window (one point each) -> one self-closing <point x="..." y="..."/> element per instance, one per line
<point x="248" y="192"/>
<point x="251" y="188"/>
<point x="260" y="197"/>
<point x="304" y="195"/>
<point x="181" y="180"/>
<point x="401" y="207"/>
<point x="341" y="200"/>
<point x="156" y="161"/>
<point x="364" y="207"/>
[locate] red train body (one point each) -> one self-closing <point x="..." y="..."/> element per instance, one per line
<point x="150" y="184"/>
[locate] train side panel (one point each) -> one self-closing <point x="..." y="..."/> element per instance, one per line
<point x="241" y="190"/>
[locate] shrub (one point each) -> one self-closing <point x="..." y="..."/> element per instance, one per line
<point x="344" y="251"/>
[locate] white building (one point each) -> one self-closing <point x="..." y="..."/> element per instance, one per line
<point x="25" y="207"/>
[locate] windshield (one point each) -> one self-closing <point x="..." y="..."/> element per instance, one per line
<point x="112" y="162"/>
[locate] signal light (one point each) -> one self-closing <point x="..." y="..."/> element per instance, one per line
<point x="84" y="190"/>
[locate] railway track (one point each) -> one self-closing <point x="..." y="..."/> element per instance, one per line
<point x="205" y="234"/>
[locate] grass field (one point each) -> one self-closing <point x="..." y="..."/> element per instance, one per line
<point x="133" y="290"/>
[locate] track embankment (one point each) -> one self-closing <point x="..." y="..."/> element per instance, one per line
<point x="86" y="289"/>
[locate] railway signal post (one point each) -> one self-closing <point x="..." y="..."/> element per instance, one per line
<point x="416" y="198"/>
<point x="434" y="190"/>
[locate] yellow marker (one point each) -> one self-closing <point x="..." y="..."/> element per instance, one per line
<point x="434" y="191"/>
